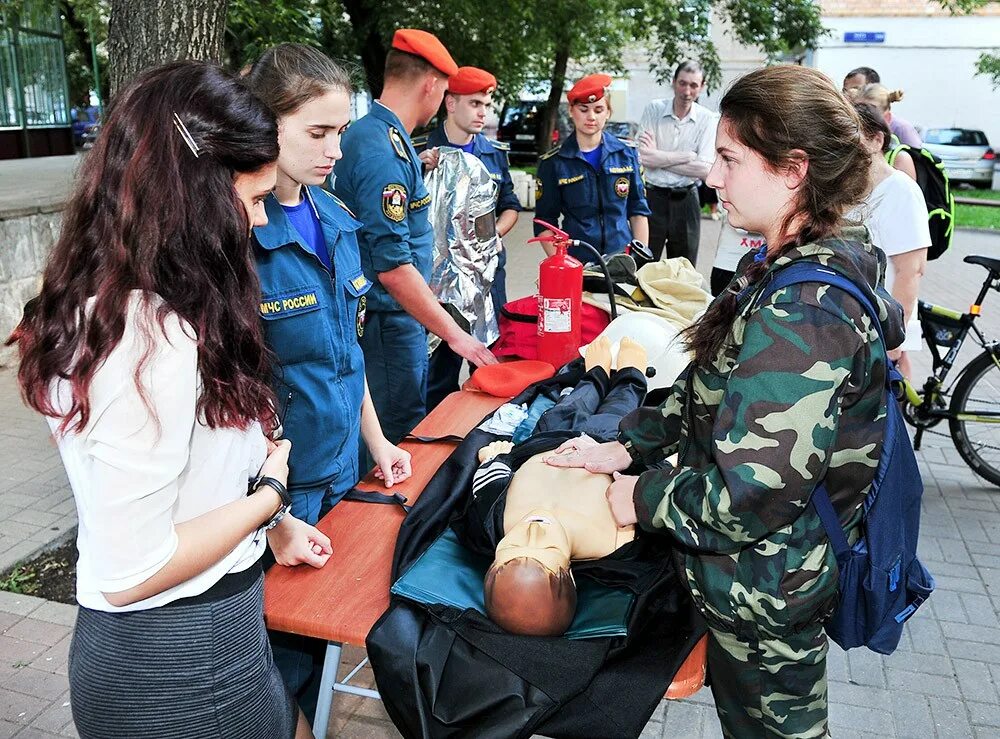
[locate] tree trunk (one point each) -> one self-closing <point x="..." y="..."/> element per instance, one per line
<point x="556" y="84"/>
<point x="145" y="33"/>
<point x="371" y="48"/>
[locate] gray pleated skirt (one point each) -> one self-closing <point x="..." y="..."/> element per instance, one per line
<point x="200" y="667"/>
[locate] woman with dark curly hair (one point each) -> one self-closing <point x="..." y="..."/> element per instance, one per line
<point x="145" y="353"/>
<point x="786" y="390"/>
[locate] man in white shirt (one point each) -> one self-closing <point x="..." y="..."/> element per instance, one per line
<point x="677" y="148"/>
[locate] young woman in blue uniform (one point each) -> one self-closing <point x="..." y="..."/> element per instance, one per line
<point x="313" y="306"/>
<point x="593" y="180"/>
<point x="312" y="287"/>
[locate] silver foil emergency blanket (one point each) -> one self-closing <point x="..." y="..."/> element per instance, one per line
<point x="466" y="244"/>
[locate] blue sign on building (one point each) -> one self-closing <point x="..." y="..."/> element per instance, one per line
<point x="864" y="37"/>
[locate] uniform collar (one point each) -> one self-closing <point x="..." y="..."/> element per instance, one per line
<point x="384" y="113"/>
<point x="438" y="137"/>
<point x="279" y="231"/>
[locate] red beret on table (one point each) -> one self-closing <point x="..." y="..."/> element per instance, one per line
<point x="470" y="80"/>
<point x="427" y="47"/>
<point x="590" y="89"/>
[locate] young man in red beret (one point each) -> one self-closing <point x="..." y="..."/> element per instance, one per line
<point x="380" y="178"/>
<point x="468" y="101"/>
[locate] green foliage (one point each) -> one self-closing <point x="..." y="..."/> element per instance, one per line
<point x="254" y="25"/>
<point x="20" y="580"/>
<point x="989" y="66"/>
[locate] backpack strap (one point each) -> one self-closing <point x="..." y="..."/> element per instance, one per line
<point x="798" y="273"/>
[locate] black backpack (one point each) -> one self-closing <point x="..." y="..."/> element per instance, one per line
<point x="933" y="183"/>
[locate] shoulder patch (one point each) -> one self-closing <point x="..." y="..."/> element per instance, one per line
<point x="501" y="145"/>
<point x="420" y="140"/>
<point x="551" y="152"/>
<point x="394" y="198"/>
<point x="397" y="144"/>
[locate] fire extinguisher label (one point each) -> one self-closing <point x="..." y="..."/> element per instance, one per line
<point x="555" y="316"/>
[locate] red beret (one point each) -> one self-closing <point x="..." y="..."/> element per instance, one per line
<point x="469" y="80"/>
<point x="427" y="47"/>
<point x="590" y="89"/>
<point x="507" y="379"/>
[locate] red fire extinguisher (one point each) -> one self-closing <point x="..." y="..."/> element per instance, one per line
<point x="560" y="291"/>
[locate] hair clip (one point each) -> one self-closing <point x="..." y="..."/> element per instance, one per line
<point x="186" y="135"/>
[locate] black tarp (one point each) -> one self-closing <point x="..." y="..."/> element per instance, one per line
<point x="449" y="673"/>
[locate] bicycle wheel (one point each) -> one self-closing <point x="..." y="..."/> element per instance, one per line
<point x="978" y="441"/>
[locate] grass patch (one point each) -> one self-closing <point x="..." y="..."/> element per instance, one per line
<point x="973" y="216"/>
<point x="530" y="170"/>
<point x="50" y="575"/>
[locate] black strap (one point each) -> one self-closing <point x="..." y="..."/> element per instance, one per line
<point x="432" y="439"/>
<point x="371" y="496"/>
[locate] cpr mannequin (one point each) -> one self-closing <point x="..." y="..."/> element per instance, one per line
<point x="553" y="515"/>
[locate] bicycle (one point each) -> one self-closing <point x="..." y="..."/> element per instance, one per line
<point x="973" y="409"/>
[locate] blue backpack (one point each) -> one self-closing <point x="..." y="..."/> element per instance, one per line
<point x="882" y="583"/>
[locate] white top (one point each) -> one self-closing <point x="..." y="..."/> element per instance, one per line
<point x="695" y="132"/>
<point x="133" y="481"/>
<point x="896" y="216"/>
<point x="733" y="244"/>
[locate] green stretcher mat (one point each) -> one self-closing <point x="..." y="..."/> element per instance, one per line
<point x="449" y="574"/>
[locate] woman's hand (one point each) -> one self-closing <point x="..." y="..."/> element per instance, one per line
<point x="392" y="464"/>
<point x="276" y="464"/>
<point x="584" y="452"/>
<point x="620" y="498"/>
<point x="295" y="542"/>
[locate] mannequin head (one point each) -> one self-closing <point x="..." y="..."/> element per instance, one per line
<point x="529" y="588"/>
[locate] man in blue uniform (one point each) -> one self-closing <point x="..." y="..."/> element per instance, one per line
<point x="380" y="178"/>
<point x="467" y="102"/>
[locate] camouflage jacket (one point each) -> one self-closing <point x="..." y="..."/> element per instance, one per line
<point x="795" y="397"/>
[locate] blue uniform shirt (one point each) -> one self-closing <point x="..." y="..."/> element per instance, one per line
<point x="381" y="179"/>
<point x="594" y="205"/>
<point x="313" y="319"/>
<point x="491" y="153"/>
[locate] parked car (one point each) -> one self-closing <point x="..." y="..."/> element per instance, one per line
<point x="86" y="123"/>
<point x="625" y="130"/>
<point x="965" y="153"/>
<point x="519" y="124"/>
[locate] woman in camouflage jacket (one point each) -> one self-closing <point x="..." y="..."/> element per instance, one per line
<point x="782" y="393"/>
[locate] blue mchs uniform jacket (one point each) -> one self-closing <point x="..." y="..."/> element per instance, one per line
<point x="312" y="321"/>
<point x="380" y="178"/>
<point x="491" y="153"/>
<point x="594" y="205"/>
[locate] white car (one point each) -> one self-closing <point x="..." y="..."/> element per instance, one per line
<point x="965" y="153"/>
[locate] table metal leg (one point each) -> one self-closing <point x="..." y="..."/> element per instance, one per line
<point x="328" y="679"/>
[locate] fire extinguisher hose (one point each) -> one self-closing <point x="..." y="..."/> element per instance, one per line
<point x="604" y="268"/>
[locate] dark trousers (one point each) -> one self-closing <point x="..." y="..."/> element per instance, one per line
<point x="445" y="366"/>
<point x="675" y="221"/>
<point x="597" y="404"/>
<point x="395" y="347"/>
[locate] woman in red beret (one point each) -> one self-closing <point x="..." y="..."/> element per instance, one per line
<point x="593" y="181"/>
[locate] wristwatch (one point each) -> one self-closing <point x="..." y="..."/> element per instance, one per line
<point x="281" y="490"/>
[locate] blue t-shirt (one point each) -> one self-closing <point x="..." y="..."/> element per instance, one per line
<point x="304" y="221"/>
<point x="593" y="157"/>
<point x="467" y="148"/>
